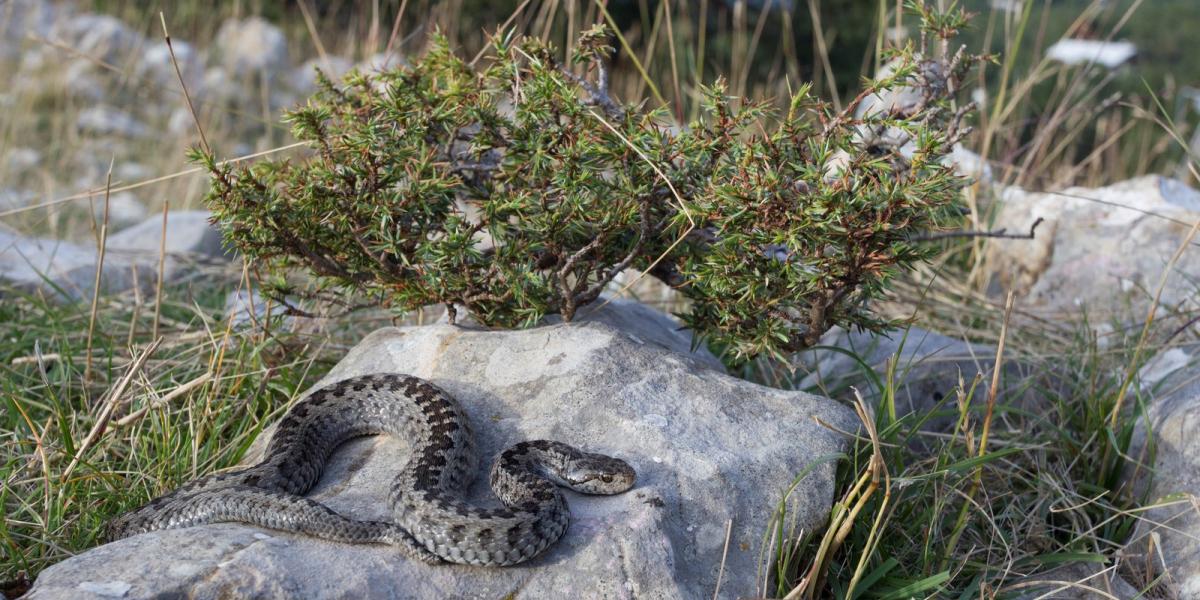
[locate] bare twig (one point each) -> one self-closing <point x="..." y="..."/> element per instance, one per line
<point x="36" y="358"/>
<point x="998" y="233"/>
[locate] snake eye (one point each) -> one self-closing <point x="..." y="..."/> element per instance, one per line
<point x="606" y="478"/>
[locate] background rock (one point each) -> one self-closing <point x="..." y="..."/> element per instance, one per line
<point x="247" y="307"/>
<point x="30" y="263"/>
<point x="252" y="47"/>
<point x="124" y="209"/>
<point x="930" y="367"/>
<point x="20" y="18"/>
<point x="1107" y="253"/>
<point x="1170" y="534"/>
<point x="707" y="447"/>
<point x="60" y="267"/>
<point x="188" y="232"/>
<point x="1078" y="581"/>
<point x="99" y="37"/>
<point x="105" y="120"/>
<point x="303" y="79"/>
<point x="155" y="66"/>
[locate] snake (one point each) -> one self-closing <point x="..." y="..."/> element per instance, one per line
<point x="432" y="522"/>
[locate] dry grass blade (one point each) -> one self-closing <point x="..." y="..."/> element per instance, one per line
<point x="147" y="182"/>
<point x="977" y="481"/>
<point x="843" y="518"/>
<point x="724" y="556"/>
<point x="994" y="389"/>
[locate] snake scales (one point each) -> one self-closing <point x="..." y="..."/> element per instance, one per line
<point x="432" y="521"/>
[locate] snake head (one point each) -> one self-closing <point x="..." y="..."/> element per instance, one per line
<point x="598" y="474"/>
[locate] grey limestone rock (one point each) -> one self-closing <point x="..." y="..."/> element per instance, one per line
<point x="65" y="268"/>
<point x="929" y="368"/>
<point x="708" y="449"/>
<point x="1167" y="538"/>
<point x="188" y="232"/>
<point x="1104" y="249"/>
<point x="252" y="46"/>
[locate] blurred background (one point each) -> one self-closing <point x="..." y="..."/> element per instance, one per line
<point x="1082" y="91"/>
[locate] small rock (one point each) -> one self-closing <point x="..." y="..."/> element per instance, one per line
<point x="382" y="61"/>
<point x="1111" y="54"/>
<point x="21" y="18"/>
<point x="181" y="121"/>
<point x="82" y="82"/>
<point x="246" y="308"/>
<point x="124" y="209"/>
<point x="157" y="68"/>
<point x="106" y="120"/>
<point x="969" y="164"/>
<point x="98" y="37"/>
<point x="23" y="159"/>
<point x="13" y="198"/>
<point x="129" y="172"/>
<point x="1074" y="581"/>
<point x="252" y="46"/>
<point x="719" y="456"/>
<point x="304" y="78"/>
<point x="188" y="232"/>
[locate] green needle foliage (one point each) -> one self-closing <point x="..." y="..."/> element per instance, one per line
<point x="523" y="189"/>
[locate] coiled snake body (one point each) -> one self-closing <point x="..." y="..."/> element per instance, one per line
<point x="432" y="521"/>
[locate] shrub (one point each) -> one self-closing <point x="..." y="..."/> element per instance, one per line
<point x="523" y="189"/>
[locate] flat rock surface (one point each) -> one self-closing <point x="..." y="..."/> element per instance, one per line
<point x="708" y="449"/>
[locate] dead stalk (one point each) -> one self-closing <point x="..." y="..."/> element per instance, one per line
<point x="162" y="259"/>
<point x="87" y="370"/>
<point x="137" y="305"/>
<point x="991" y="399"/>
<point x="187" y="97"/>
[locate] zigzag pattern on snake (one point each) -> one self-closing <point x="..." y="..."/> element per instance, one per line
<point x="432" y="521"/>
